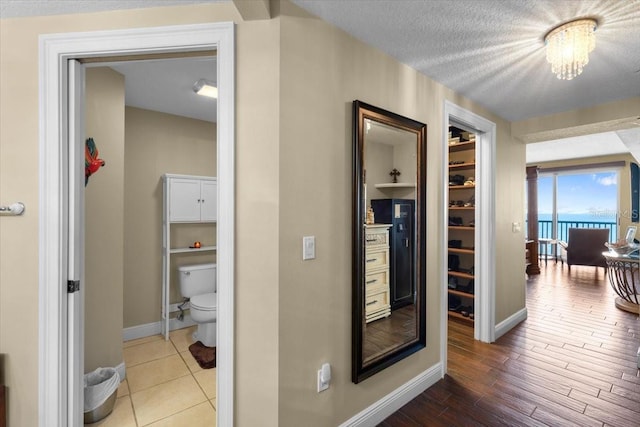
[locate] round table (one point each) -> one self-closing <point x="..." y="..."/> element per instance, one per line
<point x="624" y="276"/>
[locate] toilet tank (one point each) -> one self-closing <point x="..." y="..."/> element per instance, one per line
<point x="197" y="279"/>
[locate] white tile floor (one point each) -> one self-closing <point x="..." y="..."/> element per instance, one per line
<point x="165" y="386"/>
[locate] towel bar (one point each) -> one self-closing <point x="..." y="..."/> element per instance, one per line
<point x="13" y="209"/>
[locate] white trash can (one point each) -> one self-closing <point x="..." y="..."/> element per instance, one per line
<point x="100" y="390"/>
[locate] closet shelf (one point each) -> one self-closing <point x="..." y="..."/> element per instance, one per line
<point x="470" y="165"/>
<point x="461" y="294"/>
<point x="462" y="146"/>
<point x="460" y="274"/>
<point x="201" y="249"/>
<point x="462" y="208"/>
<point x="461" y="227"/>
<point x="459" y="316"/>
<point x="468" y="251"/>
<point x="461" y="187"/>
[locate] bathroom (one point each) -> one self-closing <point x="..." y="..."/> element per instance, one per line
<point x="123" y="233"/>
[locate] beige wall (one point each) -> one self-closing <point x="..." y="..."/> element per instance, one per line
<point x="296" y="78"/>
<point x="315" y="199"/>
<point x="155" y="144"/>
<point x="104" y="220"/>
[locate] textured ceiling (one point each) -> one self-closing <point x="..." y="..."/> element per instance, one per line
<point x="492" y="51"/>
<point x="18" y="8"/>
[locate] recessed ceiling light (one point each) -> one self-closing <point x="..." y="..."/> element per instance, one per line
<point x="205" y="88"/>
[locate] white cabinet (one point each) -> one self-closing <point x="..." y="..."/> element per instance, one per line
<point x="192" y="200"/>
<point x="186" y="200"/>
<point x="377" y="301"/>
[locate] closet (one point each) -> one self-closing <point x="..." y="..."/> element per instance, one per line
<point x="186" y="200"/>
<point x="461" y="226"/>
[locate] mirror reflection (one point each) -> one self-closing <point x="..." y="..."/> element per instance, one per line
<point x="388" y="225"/>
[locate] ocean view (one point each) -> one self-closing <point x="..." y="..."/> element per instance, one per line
<point x="565" y="221"/>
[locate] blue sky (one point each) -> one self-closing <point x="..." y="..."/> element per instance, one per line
<point x="589" y="193"/>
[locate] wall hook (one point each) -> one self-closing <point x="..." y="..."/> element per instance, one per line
<point x="13" y="209"/>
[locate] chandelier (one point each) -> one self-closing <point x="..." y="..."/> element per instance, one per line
<point x="568" y="47"/>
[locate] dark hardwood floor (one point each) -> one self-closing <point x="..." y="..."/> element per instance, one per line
<point x="571" y="363"/>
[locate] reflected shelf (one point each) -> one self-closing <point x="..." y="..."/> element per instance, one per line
<point x="461" y="294"/>
<point x="468" y="251"/>
<point x="396" y="185"/>
<point x="460" y="274"/>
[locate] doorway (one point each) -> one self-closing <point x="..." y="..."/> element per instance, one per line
<point x="60" y="389"/>
<point x="483" y="225"/>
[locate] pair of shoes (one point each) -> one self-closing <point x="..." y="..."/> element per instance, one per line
<point x="453" y="283"/>
<point x="454" y="302"/>
<point x="455" y="220"/>
<point x="471" y="181"/>
<point x="456" y="162"/>
<point x="453" y="262"/>
<point x="466" y="311"/>
<point x="471" y="202"/>
<point x="456" y="180"/>
<point x="469" y="288"/>
<point x="472" y="223"/>
<point x="456" y="203"/>
<point x="457" y="244"/>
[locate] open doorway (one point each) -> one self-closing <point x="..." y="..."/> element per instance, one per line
<point x="61" y="340"/>
<point x="146" y="121"/>
<point x="470" y="154"/>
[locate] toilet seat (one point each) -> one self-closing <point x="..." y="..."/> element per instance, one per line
<point x="204" y="302"/>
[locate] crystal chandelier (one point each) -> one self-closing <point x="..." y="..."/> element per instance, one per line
<point x="568" y="47"/>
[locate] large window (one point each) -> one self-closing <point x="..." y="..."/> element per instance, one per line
<point x="577" y="199"/>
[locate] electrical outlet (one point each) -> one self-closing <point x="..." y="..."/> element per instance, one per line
<point x="324" y="377"/>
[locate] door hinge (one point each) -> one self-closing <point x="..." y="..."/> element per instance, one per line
<point x="73" y="286"/>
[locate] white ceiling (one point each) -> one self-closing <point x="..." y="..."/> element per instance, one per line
<point x="490" y="51"/>
<point x="167" y="86"/>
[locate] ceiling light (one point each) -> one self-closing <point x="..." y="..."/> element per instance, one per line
<point x="205" y="88"/>
<point x="568" y="47"/>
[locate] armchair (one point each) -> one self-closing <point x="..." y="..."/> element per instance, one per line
<point x="585" y="247"/>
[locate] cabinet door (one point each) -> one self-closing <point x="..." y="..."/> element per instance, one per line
<point x="209" y="201"/>
<point x="184" y="202"/>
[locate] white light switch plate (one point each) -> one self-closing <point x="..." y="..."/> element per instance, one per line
<point x="308" y="247"/>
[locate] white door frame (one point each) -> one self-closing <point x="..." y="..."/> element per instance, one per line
<point x="55" y="344"/>
<point x="485" y="276"/>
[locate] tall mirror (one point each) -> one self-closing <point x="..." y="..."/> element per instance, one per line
<point x="389" y="189"/>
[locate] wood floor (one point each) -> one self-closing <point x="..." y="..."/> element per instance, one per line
<point x="571" y="363"/>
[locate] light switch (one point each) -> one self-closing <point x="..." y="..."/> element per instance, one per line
<point x="308" y="247"/>
<point x="515" y="227"/>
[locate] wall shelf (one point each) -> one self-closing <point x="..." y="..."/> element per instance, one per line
<point x="185" y="250"/>
<point x="396" y="185"/>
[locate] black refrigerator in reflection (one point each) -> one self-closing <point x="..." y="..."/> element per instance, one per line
<point x="400" y="213"/>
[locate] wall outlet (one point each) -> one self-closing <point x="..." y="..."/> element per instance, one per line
<point x="324" y="377"/>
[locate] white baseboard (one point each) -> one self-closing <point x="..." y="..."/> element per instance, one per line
<point x="383" y="408"/>
<point x="155" y="328"/>
<point x="507" y="324"/>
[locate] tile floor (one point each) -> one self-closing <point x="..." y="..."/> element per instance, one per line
<point x="165" y="386"/>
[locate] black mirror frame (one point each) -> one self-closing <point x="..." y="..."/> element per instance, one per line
<point x="361" y="111"/>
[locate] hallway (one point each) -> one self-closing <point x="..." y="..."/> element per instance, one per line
<point x="572" y="362"/>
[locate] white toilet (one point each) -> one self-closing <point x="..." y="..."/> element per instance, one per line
<point x="198" y="283"/>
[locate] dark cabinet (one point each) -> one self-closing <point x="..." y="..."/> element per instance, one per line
<point x="400" y="213"/>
